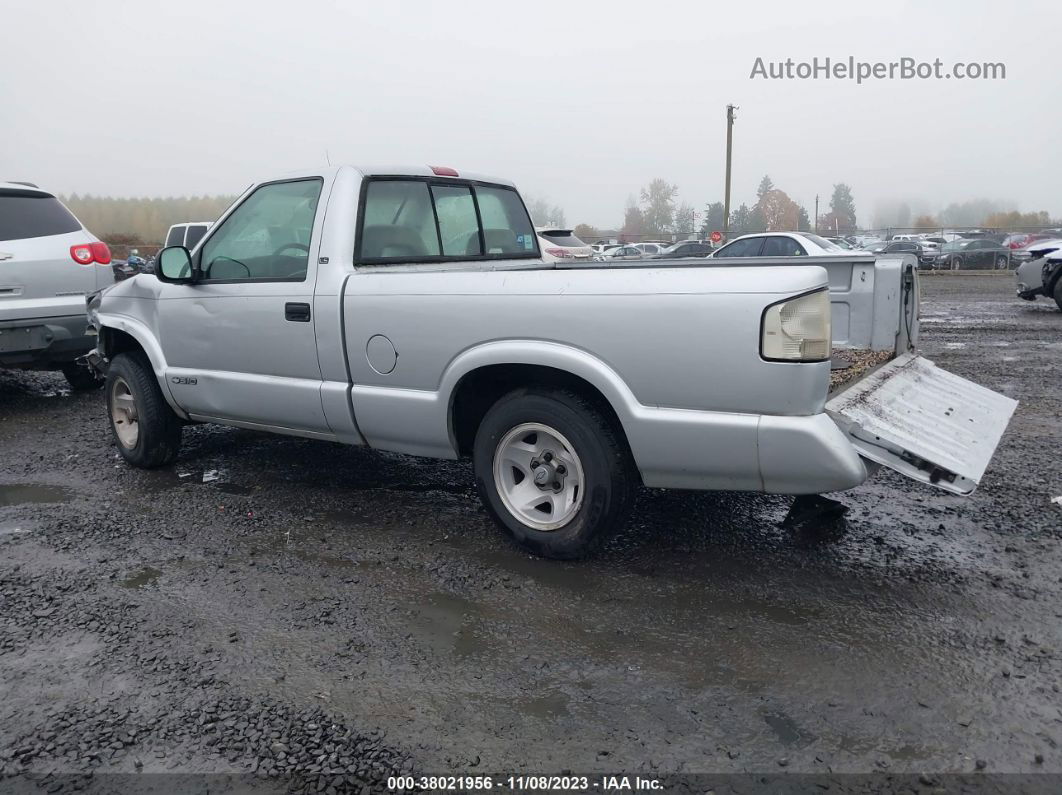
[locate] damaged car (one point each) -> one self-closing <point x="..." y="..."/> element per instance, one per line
<point x="1030" y="274"/>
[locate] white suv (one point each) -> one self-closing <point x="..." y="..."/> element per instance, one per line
<point x="49" y="262"/>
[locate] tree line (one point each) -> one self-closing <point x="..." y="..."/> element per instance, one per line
<point x="653" y="213"/>
<point x="134" y="221"/>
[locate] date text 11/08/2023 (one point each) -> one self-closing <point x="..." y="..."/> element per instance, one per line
<point x="618" y="783"/>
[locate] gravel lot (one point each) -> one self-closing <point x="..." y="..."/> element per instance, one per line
<point x="274" y="604"/>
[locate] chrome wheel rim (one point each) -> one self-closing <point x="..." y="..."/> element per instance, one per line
<point x="538" y="476"/>
<point x="124" y="416"/>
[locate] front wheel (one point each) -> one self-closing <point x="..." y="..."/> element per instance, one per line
<point x="1058" y="293"/>
<point x="144" y="427"/>
<point x="1002" y="263"/>
<point x="554" y="471"/>
<point x="956" y="263"/>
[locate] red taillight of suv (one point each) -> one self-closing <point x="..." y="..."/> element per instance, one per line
<point x="101" y="253"/>
<point x="563" y="253"/>
<point x="87" y="253"/>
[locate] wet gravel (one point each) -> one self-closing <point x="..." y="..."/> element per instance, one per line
<point x="309" y="616"/>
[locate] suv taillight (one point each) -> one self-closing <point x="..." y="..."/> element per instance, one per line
<point x="87" y="253"/>
<point x="563" y="253"/>
<point x="101" y="253"/>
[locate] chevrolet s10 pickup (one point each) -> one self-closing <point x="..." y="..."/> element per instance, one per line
<point x="411" y="310"/>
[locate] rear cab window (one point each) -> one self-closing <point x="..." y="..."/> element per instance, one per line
<point x="29" y="213"/>
<point x="175" y="237"/>
<point x="410" y="219"/>
<point x="194" y="235"/>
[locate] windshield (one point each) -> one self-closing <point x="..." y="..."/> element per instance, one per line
<point x="674" y="247"/>
<point x="821" y="242"/>
<point x="955" y="245"/>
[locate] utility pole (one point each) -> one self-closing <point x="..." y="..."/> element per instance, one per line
<point x="729" y="146"/>
<point x="816" y="213"/>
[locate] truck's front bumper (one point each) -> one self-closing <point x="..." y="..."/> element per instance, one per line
<point x="40" y="343"/>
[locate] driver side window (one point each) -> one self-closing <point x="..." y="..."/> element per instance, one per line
<point x="267" y="238"/>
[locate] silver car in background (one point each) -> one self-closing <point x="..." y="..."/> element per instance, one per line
<point x="49" y="263"/>
<point x="1030" y="273"/>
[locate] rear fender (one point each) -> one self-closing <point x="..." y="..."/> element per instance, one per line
<point x="545" y="354"/>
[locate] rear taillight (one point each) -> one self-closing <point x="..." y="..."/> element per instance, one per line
<point x="798" y="329"/>
<point x="87" y="253"/>
<point x="101" y="253"/>
<point x="563" y="253"/>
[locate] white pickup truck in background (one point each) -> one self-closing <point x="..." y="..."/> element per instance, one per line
<point x="411" y="310"/>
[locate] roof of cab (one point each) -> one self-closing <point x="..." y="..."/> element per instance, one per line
<point x="394" y="171"/>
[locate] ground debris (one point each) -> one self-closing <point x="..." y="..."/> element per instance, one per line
<point x="859" y="363"/>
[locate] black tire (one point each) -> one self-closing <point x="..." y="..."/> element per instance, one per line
<point x="1002" y="263"/>
<point x="80" y="377"/>
<point x="158" y="429"/>
<point x="956" y="263"/>
<point x="610" y="479"/>
<point x="1058" y="292"/>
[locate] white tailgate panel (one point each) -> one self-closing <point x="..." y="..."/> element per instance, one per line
<point x="924" y="422"/>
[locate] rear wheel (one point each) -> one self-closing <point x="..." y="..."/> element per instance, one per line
<point x="144" y="427"/>
<point x="1002" y="263"/>
<point x="1058" y="292"/>
<point x="553" y="471"/>
<point x="80" y="377"/>
<point x="956" y="263"/>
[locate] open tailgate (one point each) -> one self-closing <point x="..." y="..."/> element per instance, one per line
<point x="924" y="422"/>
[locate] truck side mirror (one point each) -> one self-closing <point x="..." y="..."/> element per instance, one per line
<point x="174" y="265"/>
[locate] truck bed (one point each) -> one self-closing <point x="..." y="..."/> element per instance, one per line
<point x="848" y="365"/>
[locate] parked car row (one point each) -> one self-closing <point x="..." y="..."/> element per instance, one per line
<point x="976" y="253"/>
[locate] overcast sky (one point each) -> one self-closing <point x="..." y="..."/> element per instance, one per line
<point x="578" y="103"/>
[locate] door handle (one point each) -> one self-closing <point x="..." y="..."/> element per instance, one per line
<point x="300" y="313"/>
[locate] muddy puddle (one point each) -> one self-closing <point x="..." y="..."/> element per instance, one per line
<point x="144" y="576"/>
<point x="448" y="625"/>
<point x="29" y="493"/>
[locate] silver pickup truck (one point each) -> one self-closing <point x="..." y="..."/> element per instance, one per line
<point x="411" y="310"/>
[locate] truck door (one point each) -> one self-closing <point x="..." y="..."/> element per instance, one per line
<point x="239" y="344"/>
